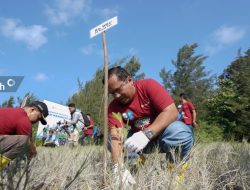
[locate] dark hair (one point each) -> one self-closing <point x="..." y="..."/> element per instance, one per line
<point x="183" y="95"/>
<point x="120" y="72"/>
<point x="71" y="105"/>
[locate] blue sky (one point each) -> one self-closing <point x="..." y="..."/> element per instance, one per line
<point x="48" y="41"/>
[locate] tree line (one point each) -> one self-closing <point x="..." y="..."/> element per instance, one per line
<point x="222" y="102"/>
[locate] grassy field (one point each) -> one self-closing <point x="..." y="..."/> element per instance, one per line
<point x="211" y="166"/>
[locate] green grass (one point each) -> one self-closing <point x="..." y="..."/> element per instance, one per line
<point x="211" y="166"/>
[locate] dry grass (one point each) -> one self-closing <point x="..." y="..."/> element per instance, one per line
<point x="211" y="166"/>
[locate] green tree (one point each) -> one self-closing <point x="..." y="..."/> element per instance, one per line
<point x="132" y="66"/>
<point x="208" y="133"/>
<point x="89" y="97"/>
<point x="230" y="105"/>
<point x="27" y="99"/>
<point x="8" y="103"/>
<point x="189" y="77"/>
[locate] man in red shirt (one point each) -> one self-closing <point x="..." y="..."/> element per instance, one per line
<point x="150" y="111"/>
<point x="88" y="130"/>
<point x="189" y="116"/>
<point x="16" y="130"/>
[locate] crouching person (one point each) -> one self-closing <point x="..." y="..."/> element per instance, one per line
<point x="16" y="131"/>
<point x="150" y="111"/>
<point x="51" y="139"/>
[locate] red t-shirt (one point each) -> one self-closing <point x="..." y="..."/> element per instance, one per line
<point x="148" y="102"/>
<point x="14" y="121"/>
<point x="89" y="131"/>
<point x="187" y="108"/>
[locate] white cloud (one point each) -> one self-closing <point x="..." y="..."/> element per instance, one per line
<point x="61" y="34"/>
<point x="210" y="50"/>
<point x="33" y="35"/>
<point x="41" y="77"/>
<point x="107" y="13"/>
<point x="132" y="51"/>
<point x="227" y="35"/>
<point x="65" y="11"/>
<point x="89" y="49"/>
<point x="224" y="36"/>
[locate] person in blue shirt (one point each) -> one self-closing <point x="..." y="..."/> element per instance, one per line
<point x="179" y="117"/>
<point x="51" y="139"/>
<point x="95" y="135"/>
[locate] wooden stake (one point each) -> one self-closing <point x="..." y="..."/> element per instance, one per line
<point x="105" y="105"/>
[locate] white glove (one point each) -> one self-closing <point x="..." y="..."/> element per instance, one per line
<point x="122" y="176"/>
<point x="136" y="142"/>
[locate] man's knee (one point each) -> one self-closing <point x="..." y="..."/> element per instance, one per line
<point x="12" y="146"/>
<point x="23" y="140"/>
<point x="177" y="134"/>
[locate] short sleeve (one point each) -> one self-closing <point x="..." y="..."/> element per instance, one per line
<point x="190" y="106"/>
<point x="158" y="95"/>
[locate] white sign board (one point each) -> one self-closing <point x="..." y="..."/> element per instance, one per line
<point x="57" y="112"/>
<point x="104" y="26"/>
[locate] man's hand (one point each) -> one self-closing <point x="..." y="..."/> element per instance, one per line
<point x="32" y="149"/>
<point x="122" y="176"/>
<point x="195" y="124"/>
<point x="136" y="142"/>
<point x="33" y="153"/>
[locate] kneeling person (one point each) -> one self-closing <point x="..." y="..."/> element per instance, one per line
<point x="51" y="139"/>
<point x="16" y="130"/>
<point x="150" y="111"/>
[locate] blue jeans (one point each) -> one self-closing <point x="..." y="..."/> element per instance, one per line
<point x="174" y="136"/>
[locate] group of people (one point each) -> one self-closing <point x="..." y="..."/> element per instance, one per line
<point x="80" y="129"/>
<point x="145" y="105"/>
<point x="54" y="137"/>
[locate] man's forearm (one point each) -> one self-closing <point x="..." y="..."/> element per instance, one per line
<point x="116" y="146"/>
<point x="166" y="117"/>
<point x="194" y="116"/>
<point x="116" y="151"/>
<point x="32" y="149"/>
<point x="91" y="126"/>
<point x="70" y="122"/>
